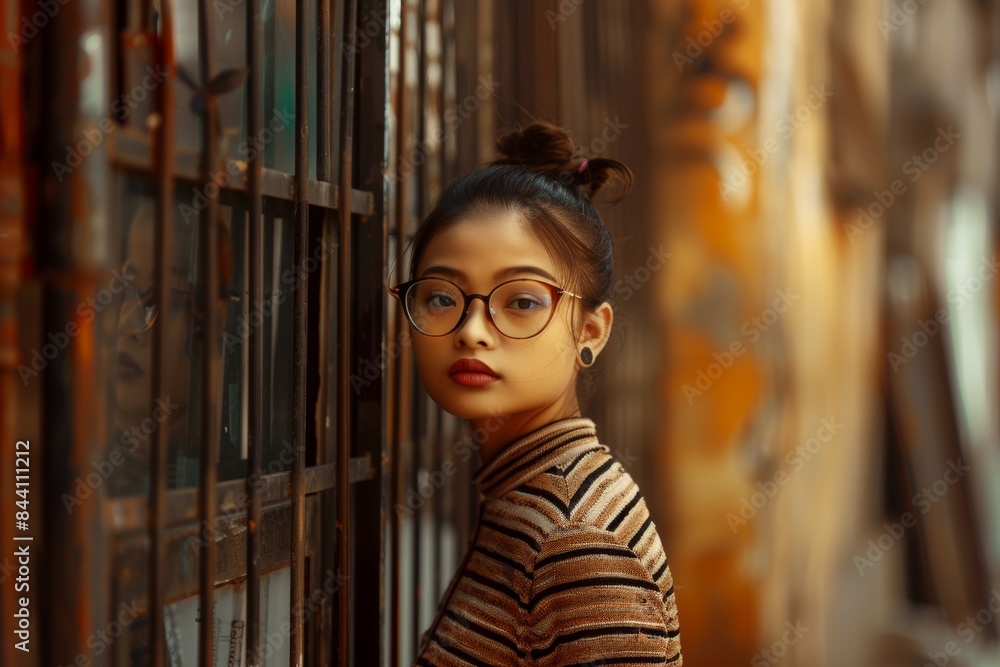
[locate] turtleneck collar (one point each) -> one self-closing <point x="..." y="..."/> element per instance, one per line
<point x="554" y="444"/>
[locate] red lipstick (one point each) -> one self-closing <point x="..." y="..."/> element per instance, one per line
<point x="128" y="368"/>
<point x="472" y="373"/>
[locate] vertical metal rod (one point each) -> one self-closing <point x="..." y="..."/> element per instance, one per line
<point x="209" y="294"/>
<point x="326" y="439"/>
<point x="437" y="444"/>
<point x="402" y="128"/>
<point x="163" y="160"/>
<point x="324" y="172"/>
<point x="300" y="408"/>
<point x="255" y="442"/>
<point x="324" y="106"/>
<point x="420" y="411"/>
<point x="344" y="336"/>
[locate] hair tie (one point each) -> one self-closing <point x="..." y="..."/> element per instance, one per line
<point x="583" y="165"/>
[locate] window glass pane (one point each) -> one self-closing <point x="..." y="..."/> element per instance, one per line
<point x="228" y="35"/>
<point x="137" y="414"/>
<point x="279" y="85"/>
<point x="280" y="284"/>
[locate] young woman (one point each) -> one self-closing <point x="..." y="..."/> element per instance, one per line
<point x="508" y="303"/>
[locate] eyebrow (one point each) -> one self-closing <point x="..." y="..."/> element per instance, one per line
<point x="508" y="272"/>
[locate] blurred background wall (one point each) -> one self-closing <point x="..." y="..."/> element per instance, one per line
<point x="806" y="385"/>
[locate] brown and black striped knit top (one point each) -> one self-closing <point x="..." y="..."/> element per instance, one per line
<point x="565" y="567"/>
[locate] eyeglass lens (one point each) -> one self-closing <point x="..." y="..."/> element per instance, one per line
<point x="137" y="315"/>
<point x="519" y="309"/>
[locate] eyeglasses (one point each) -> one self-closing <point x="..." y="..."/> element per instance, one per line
<point x="137" y="315"/>
<point x="518" y="308"/>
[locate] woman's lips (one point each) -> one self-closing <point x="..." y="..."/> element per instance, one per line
<point x="474" y="379"/>
<point x="472" y="373"/>
<point x="127" y="367"/>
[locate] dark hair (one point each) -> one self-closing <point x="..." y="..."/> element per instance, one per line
<point x="543" y="178"/>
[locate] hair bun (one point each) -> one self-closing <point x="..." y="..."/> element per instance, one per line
<point x="547" y="148"/>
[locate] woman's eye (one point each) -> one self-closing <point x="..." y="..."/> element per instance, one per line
<point x="525" y="304"/>
<point x="441" y="301"/>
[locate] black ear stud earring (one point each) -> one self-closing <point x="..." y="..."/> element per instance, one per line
<point x="586" y="356"/>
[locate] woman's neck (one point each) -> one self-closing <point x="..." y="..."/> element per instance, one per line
<point x="498" y="431"/>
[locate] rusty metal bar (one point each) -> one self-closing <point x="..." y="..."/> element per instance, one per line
<point x="12" y="251"/>
<point x="130" y="149"/>
<point x="436" y="181"/>
<point x="419" y="440"/>
<point x="324" y="105"/>
<point x="368" y="338"/>
<point x="208" y="261"/>
<point x="402" y="394"/>
<point x="255" y="373"/>
<point x="129" y="514"/>
<point x="68" y="595"/>
<point x="344" y="338"/>
<point x="163" y="161"/>
<point x="325" y="438"/>
<point x="301" y="408"/>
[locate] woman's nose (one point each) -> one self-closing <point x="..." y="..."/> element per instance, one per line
<point x="477" y="329"/>
<point x="126" y="314"/>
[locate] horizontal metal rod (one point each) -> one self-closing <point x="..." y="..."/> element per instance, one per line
<point x="181" y="570"/>
<point x="130" y="149"/>
<point x="129" y="514"/>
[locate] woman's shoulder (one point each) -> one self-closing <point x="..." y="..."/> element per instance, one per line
<point x="592" y="487"/>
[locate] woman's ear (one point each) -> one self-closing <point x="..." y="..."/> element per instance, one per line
<point x="596" y="329"/>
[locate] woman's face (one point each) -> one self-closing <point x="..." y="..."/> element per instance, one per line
<point x="135" y="349"/>
<point x="534" y="374"/>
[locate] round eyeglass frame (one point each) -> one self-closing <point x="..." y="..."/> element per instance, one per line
<point x="400" y="290"/>
<point x="140" y="311"/>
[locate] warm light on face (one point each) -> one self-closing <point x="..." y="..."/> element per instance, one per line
<point x="476" y="255"/>
<point x="519" y="308"/>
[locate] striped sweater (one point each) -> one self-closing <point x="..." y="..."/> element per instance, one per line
<point x="565" y="567"/>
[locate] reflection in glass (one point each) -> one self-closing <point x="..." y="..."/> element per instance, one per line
<point x="137" y="414"/>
